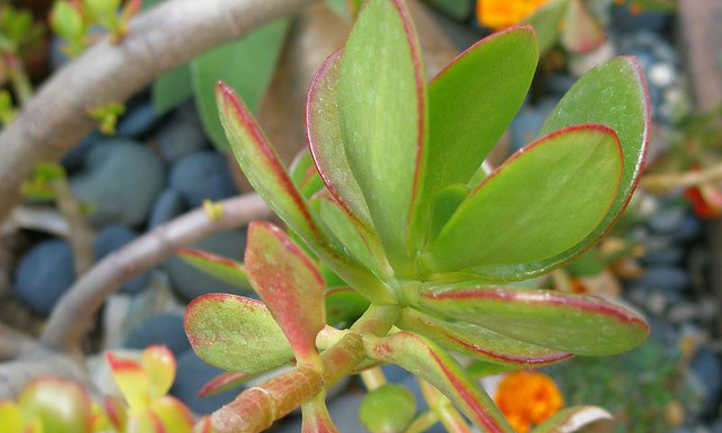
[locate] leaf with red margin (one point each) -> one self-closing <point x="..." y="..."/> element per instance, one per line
<point x="473" y="100"/>
<point x="57" y="405"/>
<point x="160" y="367"/>
<point x="326" y="140"/>
<point x="222" y="268"/>
<point x="582" y="32"/>
<point x="614" y="94"/>
<point x="425" y="359"/>
<point x="144" y="422"/>
<point x="224" y="382"/>
<point x="131" y="379"/>
<point x="289" y="284"/>
<point x="478" y="342"/>
<point x="235" y="333"/>
<point x="543" y="200"/>
<point x="581" y="324"/>
<point x="117" y="412"/>
<point x="304" y="175"/>
<point x="572" y="419"/>
<point x="174" y="415"/>
<point x="266" y="173"/>
<point x="384" y="114"/>
<point x="315" y="417"/>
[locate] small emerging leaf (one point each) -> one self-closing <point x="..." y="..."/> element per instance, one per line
<point x="160" y="367"/>
<point x="131" y="379"/>
<point x="173" y="415"/>
<point x="144" y="422"/>
<point x="289" y="284"/>
<point x="226" y="270"/>
<point x="581" y="324"/>
<point x="59" y="405"/>
<point x="235" y="333"/>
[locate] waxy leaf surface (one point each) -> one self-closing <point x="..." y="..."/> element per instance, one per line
<point x="382" y="101"/>
<point x="227" y="270"/>
<point x="235" y="333"/>
<point x="326" y="141"/>
<point x="545" y="199"/>
<point x="160" y="367"/>
<point x="54" y="405"/>
<point x="581" y="324"/>
<point x="131" y="379"/>
<point x="472" y="102"/>
<point x="478" y="341"/>
<point x="289" y="284"/>
<point x="425" y="359"/>
<point x="304" y="175"/>
<point x="572" y="419"/>
<point x="173" y="415"/>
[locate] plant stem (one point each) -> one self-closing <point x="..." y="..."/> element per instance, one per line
<point x="373" y="378"/>
<point x="422" y="422"/>
<point x="81" y="235"/>
<point x="441" y="406"/>
<point x="19" y="79"/>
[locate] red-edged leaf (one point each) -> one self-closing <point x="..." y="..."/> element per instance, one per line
<point x="160" y="367"/>
<point x="144" y="422"/>
<point x="572" y="419"/>
<point x="235" y="333"/>
<point x="58" y="405"/>
<point x="117" y="412"/>
<point x="315" y="416"/>
<point x="224" y="382"/>
<point x="289" y="284"/>
<point x="581" y="324"/>
<point x="479" y="342"/>
<point x="582" y="32"/>
<point x="174" y="415"/>
<point x="425" y="359"/>
<point x="227" y="270"/>
<point x="266" y="173"/>
<point x="131" y="379"/>
<point x="384" y="114"/>
<point x="304" y="174"/>
<point x="205" y="425"/>
<point x="326" y="141"/>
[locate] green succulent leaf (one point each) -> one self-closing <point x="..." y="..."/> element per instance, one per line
<point x="315" y="417"/>
<point x="544" y="200"/>
<point x="548" y="22"/>
<point x="235" y="333"/>
<point x="479" y="342"/>
<point x="387" y="409"/>
<point x="472" y="102"/>
<point x="174" y="416"/>
<point x="581" y="324"/>
<point x="222" y="268"/>
<point x="289" y="284"/>
<point x="261" y="165"/>
<point x="444" y="205"/>
<point x="304" y="175"/>
<point x="246" y="65"/>
<point x="326" y="141"/>
<point x="61" y="406"/>
<point x="425" y="359"/>
<point x="572" y="419"/>
<point x="344" y="306"/>
<point x="383" y="108"/>
<point x="171" y="88"/>
<point x="582" y="32"/>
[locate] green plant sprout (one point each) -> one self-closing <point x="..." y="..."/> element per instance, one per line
<point x="391" y="201"/>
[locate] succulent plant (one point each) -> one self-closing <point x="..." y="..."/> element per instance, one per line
<point x="392" y="199"/>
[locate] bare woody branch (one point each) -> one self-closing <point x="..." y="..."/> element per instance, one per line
<point x="74" y="314"/>
<point x="665" y="182"/>
<point x="166" y="36"/>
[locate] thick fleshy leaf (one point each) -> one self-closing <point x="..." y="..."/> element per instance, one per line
<point x="247" y="65"/>
<point x="235" y="333"/>
<point x="315" y="416"/>
<point x="144" y="422"/>
<point x="358" y="242"/>
<point x="344" y="306"/>
<point x="117" y="411"/>
<point x="387" y="409"/>
<point x="99" y="421"/>
<point x="225" y="382"/>
<point x="58" y="405"/>
<point x="383" y="107"/>
<point x="548" y="22"/>
<point x="543" y="200"/>
<point x="572" y="419"/>
<point x="472" y="102"/>
<point x="425" y="359"/>
<point x="227" y="270"/>
<point x="326" y="141"/>
<point x="131" y="379"/>
<point x="478" y="341"/>
<point x="289" y="284"/>
<point x="174" y="415"/>
<point x="444" y="205"/>
<point x="171" y="88"/>
<point x="581" y="324"/>
<point x="304" y="175"/>
<point x="613" y="94"/>
<point x="266" y="173"/>
<point x="160" y="367"/>
<point x="12" y="418"/>
<point x="582" y="32"/>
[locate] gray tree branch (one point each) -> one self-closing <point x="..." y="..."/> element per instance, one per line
<point x="166" y="36"/>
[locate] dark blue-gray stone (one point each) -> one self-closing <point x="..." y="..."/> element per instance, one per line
<point x="167" y="206"/>
<point x="166" y="329"/>
<point x="44" y="274"/>
<point x="115" y="237"/>
<point x="202" y="175"/>
<point x="192" y="374"/>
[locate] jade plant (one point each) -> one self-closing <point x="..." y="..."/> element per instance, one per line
<point x="391" y="203"/>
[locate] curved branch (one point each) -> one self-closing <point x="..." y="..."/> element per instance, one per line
<point x="73" y="315"/>
<point x="166" y="36"/>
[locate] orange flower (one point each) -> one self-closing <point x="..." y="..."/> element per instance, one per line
<point x="528" y="398"/>
<point x="499" y="14"/>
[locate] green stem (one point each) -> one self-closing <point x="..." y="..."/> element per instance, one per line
<point x="422" y="422"/>
<point x="19" y="79"/>
<point x="373" y="378"/>
<point x="444" y="410"/>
